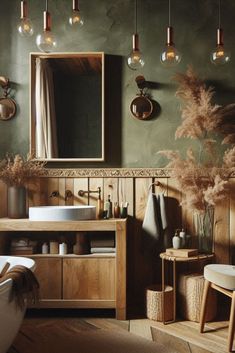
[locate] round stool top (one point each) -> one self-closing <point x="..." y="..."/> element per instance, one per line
<point x="222" y="275"/>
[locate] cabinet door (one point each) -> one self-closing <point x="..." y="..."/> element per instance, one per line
<point x="49" y="275"/>
<point x="89" y="278"/>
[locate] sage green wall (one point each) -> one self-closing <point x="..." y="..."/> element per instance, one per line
<point x="108" y="27"/>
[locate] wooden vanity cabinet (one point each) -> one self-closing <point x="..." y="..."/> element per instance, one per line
<point x="79" y="281"/>
<point x="92" y="279"/>
<point x="49" y="273"/>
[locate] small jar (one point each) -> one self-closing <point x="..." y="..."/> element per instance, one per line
<point x="63" y="249"/>
<point x="45" y="248"/>
<point x="54" y="247"/>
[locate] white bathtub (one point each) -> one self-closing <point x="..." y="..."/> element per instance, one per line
<point x="10" y="317"/>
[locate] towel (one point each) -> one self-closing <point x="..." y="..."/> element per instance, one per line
<point x="154" y="224"/>
<point x="25" y="285"/>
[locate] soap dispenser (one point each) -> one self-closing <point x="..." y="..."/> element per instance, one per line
<point x="176" y="240"/>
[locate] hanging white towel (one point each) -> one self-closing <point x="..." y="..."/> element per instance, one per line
<point x="154" y="224"/>
<point x="151" y="218"/>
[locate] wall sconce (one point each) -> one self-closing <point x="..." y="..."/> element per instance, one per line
<point x="142" y="106"/>
<point x="219" y="56"/>
<point x="7" y="105"/>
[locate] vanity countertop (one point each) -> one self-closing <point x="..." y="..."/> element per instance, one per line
<point x="24" y="224"/>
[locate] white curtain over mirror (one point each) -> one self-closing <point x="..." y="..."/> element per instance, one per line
<point x="46" y="130"/>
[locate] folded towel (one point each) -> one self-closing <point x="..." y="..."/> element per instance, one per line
<point x="24" y="286"/>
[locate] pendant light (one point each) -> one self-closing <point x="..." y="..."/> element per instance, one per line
<point x="135" y="59"/>
<point x="219" y="56"/>
<point x="170" y="57"/>
<point x="25" y="27"/>
<point x="46" y="41"/>
<point x="76" y="20"/>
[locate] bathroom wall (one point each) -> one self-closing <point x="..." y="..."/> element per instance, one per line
<point x="108" y="27"/>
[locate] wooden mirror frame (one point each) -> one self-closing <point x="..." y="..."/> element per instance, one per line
<point x="33" y="57"/>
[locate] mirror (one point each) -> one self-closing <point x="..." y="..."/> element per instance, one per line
<point x="7" y="105"/>
<point x="67" y="106"/>
<point x="141" y="107"/>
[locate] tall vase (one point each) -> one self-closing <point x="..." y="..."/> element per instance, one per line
<point x="203" y="227"/>
<point x="16" y="206"/>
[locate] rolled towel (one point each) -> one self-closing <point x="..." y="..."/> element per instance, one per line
<point x="25" y="285"/>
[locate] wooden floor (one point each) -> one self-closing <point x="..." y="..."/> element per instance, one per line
<point x="179" y="337"/>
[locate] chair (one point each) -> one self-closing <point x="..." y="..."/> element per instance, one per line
<point x="222" y="279"/>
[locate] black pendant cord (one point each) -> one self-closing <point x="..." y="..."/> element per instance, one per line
<point x="219" y="13"/>
<point x="46" y="5"/>
<point x="136" y="15"/>
<point x="169" y="14"/>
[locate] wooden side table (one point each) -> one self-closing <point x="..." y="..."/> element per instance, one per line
<point x="174" y="259"/>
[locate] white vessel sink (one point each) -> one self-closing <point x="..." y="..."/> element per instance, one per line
<point x="62" y="213"/>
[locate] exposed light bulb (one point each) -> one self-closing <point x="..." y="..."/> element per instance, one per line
<point x="170" y="57"/>
<point x="219" y="56"/>
<point x="135" y="59"/>
<point x="46" y="41"/>
<point x="25" y="27"/>
<point x="76" y="19"/>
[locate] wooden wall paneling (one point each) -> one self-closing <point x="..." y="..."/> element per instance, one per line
<point x="80" y="184"/>
<point x="94" y="183"/>
<point x="221" y="232"/>
<point x="174" y="209"/>
<point x="69" y="186"/>
<point x="143" y="265"/>
<point x="33" y="192"/>
<point x="111" y="188"/>
<point x="232" y="221"/>
<point x="53" y="185"/>
<point x="126" y="193"/>
<point x="61" y="189"/>
<point x="43" y="191"/>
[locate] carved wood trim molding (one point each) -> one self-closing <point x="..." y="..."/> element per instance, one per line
<point x="108" y="173"/>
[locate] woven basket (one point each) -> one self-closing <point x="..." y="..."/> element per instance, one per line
<point x="190" y="291"/>
<point x="154" y="298"/>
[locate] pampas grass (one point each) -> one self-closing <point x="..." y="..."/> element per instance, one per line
<point x="202" y="175"/>
<point x="16" y="170"/>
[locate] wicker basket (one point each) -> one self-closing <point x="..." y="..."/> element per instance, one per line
<point x="154" y="298"/>
<point x="190" y="291"/>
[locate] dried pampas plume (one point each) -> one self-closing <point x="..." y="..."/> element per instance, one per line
<point x="202" y="175"/>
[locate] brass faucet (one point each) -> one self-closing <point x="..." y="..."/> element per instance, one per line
<point x="88" y="192"/>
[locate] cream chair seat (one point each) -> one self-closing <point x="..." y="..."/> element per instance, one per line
<point x="222" y="279"/>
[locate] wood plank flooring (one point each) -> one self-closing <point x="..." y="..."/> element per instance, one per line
<point x="44" y="327"/>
